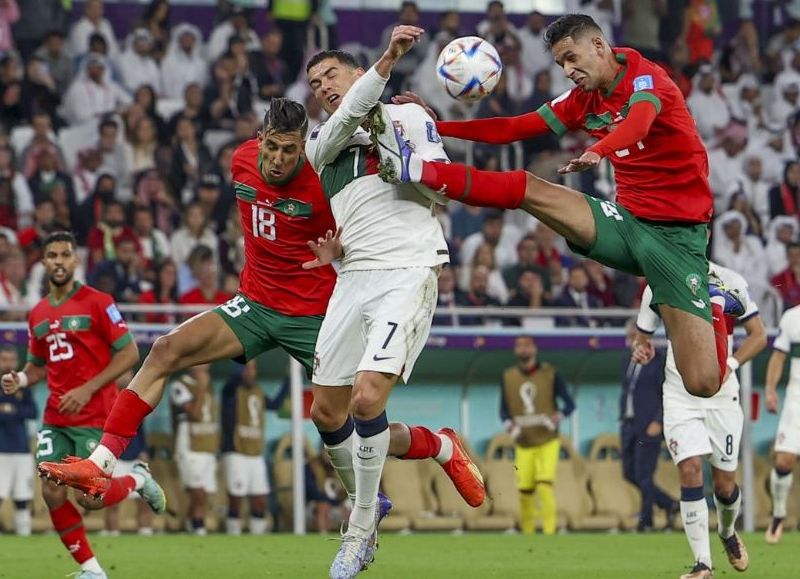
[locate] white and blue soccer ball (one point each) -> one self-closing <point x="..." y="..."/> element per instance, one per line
<point x="469" y="68"/>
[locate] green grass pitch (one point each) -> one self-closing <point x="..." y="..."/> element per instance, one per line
<point x="418" y="556"/>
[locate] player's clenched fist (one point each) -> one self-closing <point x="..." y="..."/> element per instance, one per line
<point x="403" y="38"/>
<point x="11" y="382"/>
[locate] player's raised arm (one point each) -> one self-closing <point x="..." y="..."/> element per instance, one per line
<point x="330" y="76"/>
<point x="629" y="132"/>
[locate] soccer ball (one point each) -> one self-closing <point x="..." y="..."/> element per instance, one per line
<point x="469" y="68"/>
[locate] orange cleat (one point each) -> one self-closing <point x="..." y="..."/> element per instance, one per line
<point x="78" y="473"/>
<point x="462" y="471"/>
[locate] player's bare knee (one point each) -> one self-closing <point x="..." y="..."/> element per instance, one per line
<point x="326" y="417"/>
<point x="691" y="471"/>
<point x="533" y="191"/>
<point x="785" y="461"/>
<point x="724" y="486"/>
<point x="702" y="385"/>
<point x="164" y="354"/>
<point x="366" y="402"/>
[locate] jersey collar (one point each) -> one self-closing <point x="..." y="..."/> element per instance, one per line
<point x="621" y="58"/>
<point x="55" y="303"/>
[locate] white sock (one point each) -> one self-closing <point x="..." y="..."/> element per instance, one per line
<point x="727" y="515"/>
<point x="446" y="452"/>
<point x="201" y="531"/>
<point x="104" y="458"/>
<point x="233" y="526"/>
<point x="139" y="480"/>
<point x="258" y="525"/>
<point x="342" y="461"/>
<point x="22" y="522"/>
<point x="695" y="526"/>
<point x="92" y="565"/>
<point x="368" y="458"/>
<point x="146" y="531"/>
<point x="779" y="487"/>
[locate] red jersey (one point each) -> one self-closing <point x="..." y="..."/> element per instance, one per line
<point x="663" y="177"/>
<point x="196" y="296"/>
<point x="75" y="339"/>
<point x="278" y="221"/>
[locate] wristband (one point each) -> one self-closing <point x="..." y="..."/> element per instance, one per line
<point x="733" y="364"/>
<point x="23" y="379"/>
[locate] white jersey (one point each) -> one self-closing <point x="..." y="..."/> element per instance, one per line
<point x="384" y="226"/>
<point x="675" y="394"/>
<point x="788" y="342"/>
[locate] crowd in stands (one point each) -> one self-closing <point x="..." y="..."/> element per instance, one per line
<point x="127" y="141"/>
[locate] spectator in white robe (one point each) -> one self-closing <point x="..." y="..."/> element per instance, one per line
<point x="137" y="65"/>
<point x="782" y="231"/>
<point x="184" y="63"/>
<point x="92" y="21"/>
<point x="92" y="94"/>
<point x="708" y="105"/>
<point x="741" y="252"/>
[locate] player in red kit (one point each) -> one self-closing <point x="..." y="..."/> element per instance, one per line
<point x="80" y="343"/>
<point x="281" y="302"/>
<point x="657" y="228"/>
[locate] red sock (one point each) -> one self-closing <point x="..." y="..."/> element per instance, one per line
<point x="127" y="414"/>
<point x="119" y="490"/>
<point x="68" y="523"/>
<point x="424" y="444"/>
<point x="502" y="189"/>
<point x="720" y="337"/>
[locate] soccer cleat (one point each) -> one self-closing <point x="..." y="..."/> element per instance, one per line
<point x="736" y="552"/>
<point x="352" y="556"/>
<point x="774" y="531"/>
<point x="151" y="491"/>
<point x="735" y="304"/>
<point x="81" y="474"/>
<point x="392" y="149"/>
<point x="382" y="509"/>
<point x="463" y="472"/>
<point x="699" y="571"/>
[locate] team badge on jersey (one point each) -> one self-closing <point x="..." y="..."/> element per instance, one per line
<point x="114" y="314"/>
<point x="693" y="281"/>
<point x="433" y="134"/>
<point x="644" y="82"/>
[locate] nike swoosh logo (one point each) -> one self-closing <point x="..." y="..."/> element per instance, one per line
<point x="377" y="358"/>
<point x="365" y="457"/>
<point x="723" y="459"/>
<point x="699" y="304"/>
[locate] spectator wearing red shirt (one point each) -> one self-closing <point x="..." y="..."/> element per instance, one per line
<point x="165" y="291"/>
<point x="787" y="282"/>
<point x="204" y="269"/>
<point x="103" y="238"/>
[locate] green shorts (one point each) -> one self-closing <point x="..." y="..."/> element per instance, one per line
<point x="260" y="329"/>
<point x="55" y="443"/>
<point x="671" y="256"/>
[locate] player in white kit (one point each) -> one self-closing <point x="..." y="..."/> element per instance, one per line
<point x="787" y="441"/>
<point x="695" y="428"/>
<point x="391" y="248"/>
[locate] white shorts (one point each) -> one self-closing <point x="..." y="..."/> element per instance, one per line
<point x="788" y="437"/>
<point x="245" y="475"/>
<point x="377" y="320"/>
<point x="198" y="470"/>
<point x="124" y="468"/>
<point x="712" y="432"/>
<point x="16" y="476"/>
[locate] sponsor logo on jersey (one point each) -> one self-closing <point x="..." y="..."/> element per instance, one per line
<point x="643" y="82"/>
<point x="114" y="314"/>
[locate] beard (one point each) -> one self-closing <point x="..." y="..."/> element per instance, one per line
<point x="60" y="283"/>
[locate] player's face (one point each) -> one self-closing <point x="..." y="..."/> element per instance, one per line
<point x="582" y="60"/>
<point x="60" y="262"/>
<point x="281" y="153"/>
<point x="525" y="349"/>
<point x="8" y="361"/>
<point x="330" y="80"/>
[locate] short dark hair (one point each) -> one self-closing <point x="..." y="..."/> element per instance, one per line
<point x="792" y="245"/>
<point x="107" y="122"/>
<point x="343" y="57"/>
<point x="60" y="236"/>
<point x="285" y="116"/>
<point x="201" y="253"/>
<point x="569" y="26"/>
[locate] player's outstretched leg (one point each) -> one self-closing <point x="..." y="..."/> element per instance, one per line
<point x="728" y="501"/>
<point x="202" y="339"/>
<point x="780" y="483"/>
